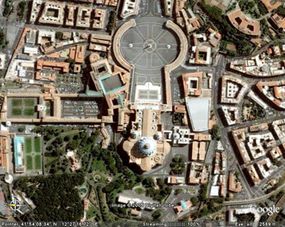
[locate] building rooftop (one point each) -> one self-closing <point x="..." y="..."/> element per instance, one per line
<point x="147" y="146"/>
<point x="244" y="23"/>
<point x="198" y="151"/>
<point x="2" y="60"/>
<point x="192" y="83"/>
<point x="182" y="206"/>
<point x="234" y="184"/>
<point x="279" y="21"/>
<point x="271" y="4"/>
<point x="199" y="113"/>
<point x="252" y="174"/>
<point x="19" y="142"/>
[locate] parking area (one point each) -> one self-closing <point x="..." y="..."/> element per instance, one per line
<point x="86" y="108"/>
<point x="69" y="83"/>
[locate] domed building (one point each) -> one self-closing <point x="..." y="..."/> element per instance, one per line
<point x="146" y="146"/>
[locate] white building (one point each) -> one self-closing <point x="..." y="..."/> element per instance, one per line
<point x="2" y="60"/>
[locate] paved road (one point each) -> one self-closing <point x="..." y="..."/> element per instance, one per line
<point x="219" y="70"/>
<point x="266" y="16"/>
<point x="280" y="203"/>
<point x="256" y="122"/>
<point x="256" y="199"/>
<point x="225" y="130"/>
<point x="64" y="47"/>
<point x="262" y="49"/>
<point x="64" y="29"/>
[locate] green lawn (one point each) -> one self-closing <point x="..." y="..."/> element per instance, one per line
<point x="29" y="162"/>
<point x="33" y="153"/>
<point x="28" y="145"/>
<point x="29" y="112"/>
<point x="48" y="108"/>
<point x="37" y="145"/>
<point x="24" y="107"/>
<point x="38" y="162"/>
<point x="139" y="190"/>
<point x="16" y="112"/>
<point x="91" y="212"/>
<point x="99" y="165"/>
<point x="16" y="102"/>
<point x="50" y="160"/>
<point x="29" y="102"/>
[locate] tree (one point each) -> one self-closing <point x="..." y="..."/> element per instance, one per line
<point x="281" y="10"/>
<point x="248" y="7"/>
<point x="56" y="197"/>
<point x="59" y="140"/>
<point x="67" y="138"/>
<point x="216" y="132"/>
<point x="177" y="118"/>
<point x="160" y="182"/>
<point x="148" y="182"/>
<point x="48" y="137"/>
<point x="230" y="34"/>
<point x="2" y="38"/>
<point x="156" y="215"/>
<point x="8" y="7"/>
<point x="112" y="21"/>
<point x="49" y="148"/>
<point x="72" y="145"/>
<point x="21" y="9"/>
<point x="177" y="165"/>
<point x="59" y="35"/>
<point x="261" y="7"/>
<point x="194" y="201"/>
<point x="178" y="191"/>
<point x="204" y="211"/>
<point x="21" y="129"/>
<point x="203" y="192"/>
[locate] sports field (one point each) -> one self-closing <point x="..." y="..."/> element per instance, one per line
<point x="33" y="153"/>
<point x="22" y="107"/>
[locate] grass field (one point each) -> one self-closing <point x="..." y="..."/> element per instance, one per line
<point x="28" y="145"/>
<point x="29" y="162"/>
<point x="33" y="155"/>
<point x="22" y="107"/>
<point x="37" y="145"/>
<point x="29" y="102"/>
<point x="16" y="102"/>
<point x="29" y="112"/>
<point x="91" y="212"/>
<point x="16" y="112"/>
<point x="38" y="161"/>
<point x="99" y="165"/>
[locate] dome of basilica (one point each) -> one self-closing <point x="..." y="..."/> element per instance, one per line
<point x="147" y="146"/>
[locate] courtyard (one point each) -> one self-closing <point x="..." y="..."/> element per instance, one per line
<point x="22" y="107"/>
